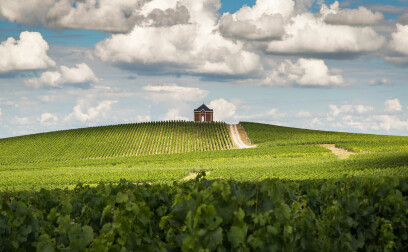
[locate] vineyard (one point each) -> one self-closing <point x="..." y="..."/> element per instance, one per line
<point x="271" y="135"/>
<point x="66" y="190"/>
<point x="115" y="141"/>
<point x="284" y="153"/>
<point x="273" y="215"/>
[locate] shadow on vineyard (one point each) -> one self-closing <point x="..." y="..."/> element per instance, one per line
<point x="321" y="215"/>
<point x="385" y="160"/>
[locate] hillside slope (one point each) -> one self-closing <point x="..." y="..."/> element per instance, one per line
<point x="61" y="159"/>
<point x="115" y="141"/>
<point x="272" y="135"/>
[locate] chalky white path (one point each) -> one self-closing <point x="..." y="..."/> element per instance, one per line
<point x="236" y="138"/>
<point x="341" y="153"/>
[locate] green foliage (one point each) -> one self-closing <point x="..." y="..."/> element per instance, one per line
<point x="367" y="214"/>
<point x="125" y="140"/>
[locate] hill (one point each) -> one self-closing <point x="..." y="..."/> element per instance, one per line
<point x="288" y="194"/>
<point x="126" y="140"/>
<point x="111" y="153"/>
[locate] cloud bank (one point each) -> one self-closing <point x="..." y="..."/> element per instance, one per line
<point x="193" y="48"/>
<point x="233" y="44"/>
<point x="193" y="38"/>
<point x="104" y="15"/>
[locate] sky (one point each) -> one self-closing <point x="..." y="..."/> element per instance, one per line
<point x="326" y="65"/>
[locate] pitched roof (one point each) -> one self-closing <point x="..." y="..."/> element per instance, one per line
<point x="203" y="107"/>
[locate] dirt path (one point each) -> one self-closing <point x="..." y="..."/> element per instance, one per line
<point x="238" y="136"/>
<point x="341" y="153"/>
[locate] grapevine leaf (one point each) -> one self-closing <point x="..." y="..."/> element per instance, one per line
<point x="237" y="236"/>
<point x="44" y="244"/>
<point x="79" y="237"/>
<point x="121" y="198"/>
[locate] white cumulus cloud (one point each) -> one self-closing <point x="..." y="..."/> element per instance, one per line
<point x="266" y="27"/>
<point x="29" y="12"/>
<point x="48" y="119"/>
<point x="399" y="39"/>
<point x="264" y="20"/>
<point x="27" y="53"/>
<point x="82" y="73"/>
<point x="84" y="112"/>
<point x="223" y="109"/>
<point x="309" y="34"/>
<point x="360" y="17"/>
<point x="392" y="105"/>
<point x="304" y="72"/>
<point x="290" y="29"/>
<point x="174" y="114"/>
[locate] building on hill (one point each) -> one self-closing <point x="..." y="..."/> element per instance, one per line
<point x="203" y="114"/>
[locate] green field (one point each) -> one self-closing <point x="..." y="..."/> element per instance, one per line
<point x="282" y="152"/>
<point x="289" y="193"/>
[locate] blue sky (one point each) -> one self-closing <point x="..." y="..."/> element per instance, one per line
<point x="328" y="65"/>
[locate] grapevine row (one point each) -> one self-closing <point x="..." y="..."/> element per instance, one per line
<point x="124" y="140"/>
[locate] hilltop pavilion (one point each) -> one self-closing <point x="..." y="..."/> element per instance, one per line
<point x="203" y="114"/>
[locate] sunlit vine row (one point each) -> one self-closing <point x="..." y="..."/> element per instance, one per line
<point x="125" y="140"/>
